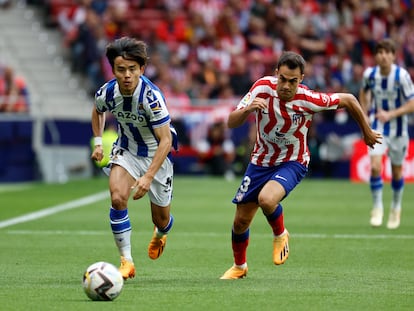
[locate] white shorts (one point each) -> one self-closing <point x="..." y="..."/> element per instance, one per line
<point x="160" y="191"/>
<point x="395" y="147"/>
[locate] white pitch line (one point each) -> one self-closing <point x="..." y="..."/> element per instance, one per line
<point x="54" y="209"/>
<point x="220" y="235"/>
<point x="18" y="187"/>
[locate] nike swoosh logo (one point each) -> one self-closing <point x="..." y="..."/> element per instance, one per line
<point x="280" y="177"/>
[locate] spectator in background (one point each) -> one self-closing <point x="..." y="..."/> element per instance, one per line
<point x="217" y="151"/>
<point x="363" y="48"/>
<point x="172" y="31"/>
<point x="240" y="80"/>
<point x="14" y="95"/>
<point x="229" y="33"/>
<point x="406" y="38"/>
<point x="257" y="38"/>
<point x="209" y="10"/>
<point x="179" y="104"/>
<point x="256" y="67"/>
<point x="353" y="85"/>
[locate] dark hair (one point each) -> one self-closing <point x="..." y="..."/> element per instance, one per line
<point x="386" y="44"/>
<point x="292" y="60"/>
<point x="128" y="48"/>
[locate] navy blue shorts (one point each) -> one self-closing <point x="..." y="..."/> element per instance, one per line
<point x="288" y="174"/>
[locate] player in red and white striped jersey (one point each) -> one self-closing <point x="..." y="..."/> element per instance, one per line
<point x="279" y="161"/>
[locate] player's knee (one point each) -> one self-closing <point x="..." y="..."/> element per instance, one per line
<point x="267" y="201"/>
<point x="118" y="201"/>
<point x="375" y="170"/>
<point x="241" y="224"/>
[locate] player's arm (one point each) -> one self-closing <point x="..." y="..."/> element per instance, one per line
<point x="351" y="104"/>
<point x="385" y="116"/>
<point x="98" y="126"/>
<point x="239" y="116"/>
<point x="164" y="137"/>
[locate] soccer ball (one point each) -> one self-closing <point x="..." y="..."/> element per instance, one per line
<point x="102" y="281"/>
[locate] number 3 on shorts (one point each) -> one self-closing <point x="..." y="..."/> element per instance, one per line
<point x="245" y="184"/>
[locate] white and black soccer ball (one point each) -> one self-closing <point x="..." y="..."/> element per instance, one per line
<point x="102" y="281"/>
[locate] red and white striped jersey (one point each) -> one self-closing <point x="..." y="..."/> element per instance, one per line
<point x="283" y="127"/>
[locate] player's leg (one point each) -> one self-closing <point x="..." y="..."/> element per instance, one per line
<point x="286" y="177"/>
<point x="270" y="196"/>
<point x="269" y="199"/>
<point x="397" y="185"/>
<point x="376" y="186"/>
<point x="160" y="195"/>
<point x="240" y="235"/>
<point x="120" y="182"/>
<point x="397" y="154"/>
<point x="163" y="222"/>
<point x="376" y="182"/>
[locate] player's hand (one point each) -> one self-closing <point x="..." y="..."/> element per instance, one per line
<point x="383" y="115"/>
<point x="258" y="104"/>
<point x="140" y="187"/>
<point x="97" y="153"/>
<point x="372" y="137"/>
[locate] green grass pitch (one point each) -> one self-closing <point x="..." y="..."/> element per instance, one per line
<point x="337" y="261"/>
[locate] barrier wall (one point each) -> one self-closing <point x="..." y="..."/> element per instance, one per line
<point x="17" y="157"/>
<point x="46" y="150"/>
<point x="58" y="150"/>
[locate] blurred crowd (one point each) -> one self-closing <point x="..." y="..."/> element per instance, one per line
<point x="14" y="95"/>
<point x="213" y="50"/>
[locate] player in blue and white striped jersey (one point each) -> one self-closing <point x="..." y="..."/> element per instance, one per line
<point x="387" y="94"/>
<point x="139" y="160"/>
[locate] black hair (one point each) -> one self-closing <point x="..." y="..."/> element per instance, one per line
<point x="292" y="60"/>
<point x="128" y="48"/>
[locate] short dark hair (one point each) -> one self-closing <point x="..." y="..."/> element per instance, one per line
<point x="385" y="44"/>
<point x="128" y="48"/>
<point x="292" y="60"/>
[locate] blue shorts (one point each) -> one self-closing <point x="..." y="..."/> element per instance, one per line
<point x="288" y="174"/>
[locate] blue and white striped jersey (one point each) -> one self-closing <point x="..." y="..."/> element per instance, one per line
<point x="388" y="93"/>
<point x="137" y="115"/>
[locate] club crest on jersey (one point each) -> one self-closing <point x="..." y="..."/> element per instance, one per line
<point x="297" y="118"/>
<point x="239" y="196"/>
<point x="141" y="109"/>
